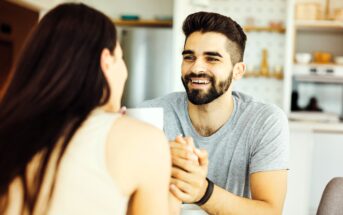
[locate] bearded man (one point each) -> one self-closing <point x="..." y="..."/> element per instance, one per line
<point x="242" y="166"/>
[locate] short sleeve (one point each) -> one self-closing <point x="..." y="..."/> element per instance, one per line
<point x="270" y="150"/>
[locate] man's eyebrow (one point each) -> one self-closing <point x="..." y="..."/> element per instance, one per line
<point x="213" y="54"/>
<point x="187" y="52"/>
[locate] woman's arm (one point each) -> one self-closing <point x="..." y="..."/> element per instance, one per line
<point x="141" y="161"/>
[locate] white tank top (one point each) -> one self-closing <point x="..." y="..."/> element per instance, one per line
<point x="84" y="185"/>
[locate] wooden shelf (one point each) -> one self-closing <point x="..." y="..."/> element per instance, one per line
<point x="144" y="23"/>
<point x="169" y="24"/>
<point x="263" y="28"/>
<point x="319" y="25"/>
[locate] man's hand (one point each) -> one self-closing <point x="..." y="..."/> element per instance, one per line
<point x="190" y="166"/>
<point x="183" y="147"/>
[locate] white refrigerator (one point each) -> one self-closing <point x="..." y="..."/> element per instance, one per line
<point x="148" y="56"/>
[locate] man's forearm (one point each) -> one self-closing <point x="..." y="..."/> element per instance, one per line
<point x="224" y="202"/>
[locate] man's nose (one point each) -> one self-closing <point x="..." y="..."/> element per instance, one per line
<point x="199" y="66"/>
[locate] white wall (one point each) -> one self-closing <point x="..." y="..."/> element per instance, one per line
<point x="146" y="9"/>
<point x="180" y="13"/>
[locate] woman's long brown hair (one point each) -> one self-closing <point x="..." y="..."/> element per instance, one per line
<point x="57" y="82"/>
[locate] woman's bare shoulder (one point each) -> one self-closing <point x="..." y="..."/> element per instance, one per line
<point x="135" y="150"/>
<point x="135" y="132"/>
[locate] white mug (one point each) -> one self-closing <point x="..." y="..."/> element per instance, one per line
<point x="153" y="116"/>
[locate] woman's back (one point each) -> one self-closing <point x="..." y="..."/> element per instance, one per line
<point x="54" y="110"/>
<point x="100" y="171"/>
<point x="84" y="185"/>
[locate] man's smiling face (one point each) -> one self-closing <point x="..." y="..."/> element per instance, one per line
<point x="206" y="67"/>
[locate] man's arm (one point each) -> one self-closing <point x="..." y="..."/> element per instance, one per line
<point x="268" y="188"/>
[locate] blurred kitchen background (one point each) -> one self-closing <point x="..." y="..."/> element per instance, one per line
<point x="294" y="58"/>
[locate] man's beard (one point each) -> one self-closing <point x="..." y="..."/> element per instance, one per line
<point x="201" y="97"/>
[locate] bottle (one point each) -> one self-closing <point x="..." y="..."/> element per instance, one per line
<point x="264" y="71"/>
<point x="278" y="73"/>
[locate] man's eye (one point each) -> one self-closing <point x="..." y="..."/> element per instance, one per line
<point x="211" y="59"/>
<point x="188" y="57"/>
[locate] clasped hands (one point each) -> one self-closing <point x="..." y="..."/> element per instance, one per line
<point x="189" y="171"/>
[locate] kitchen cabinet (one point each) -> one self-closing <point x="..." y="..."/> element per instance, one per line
<point x="315" y="158"/>
<point x="319" y="77"/>
<point x="315" y="147"/>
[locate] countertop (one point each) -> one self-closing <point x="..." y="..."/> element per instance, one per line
<point x="317" y="127"/>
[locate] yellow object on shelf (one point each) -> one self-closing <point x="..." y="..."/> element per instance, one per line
<point x="322" y="57"/>
<point x="264" y="70"/>
<point x="278" y="73"/>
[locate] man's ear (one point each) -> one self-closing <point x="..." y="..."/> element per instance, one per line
<point x="238" y="70"/>
<point x="105" y="59"/>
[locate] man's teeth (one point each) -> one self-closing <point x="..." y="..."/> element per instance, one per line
<point x="200" y="81"/>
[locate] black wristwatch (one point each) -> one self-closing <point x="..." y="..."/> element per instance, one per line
<point x="207" y="194"/>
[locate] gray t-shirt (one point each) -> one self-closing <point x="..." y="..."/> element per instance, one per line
<point x="254" y="139"/>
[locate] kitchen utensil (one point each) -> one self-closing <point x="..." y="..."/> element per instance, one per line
<point x="322" y="57"/>
<point x="129" y="17"/>
<point x="303" y="58"/>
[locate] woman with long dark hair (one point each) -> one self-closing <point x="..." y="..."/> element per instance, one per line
<point x="64" y="149"/>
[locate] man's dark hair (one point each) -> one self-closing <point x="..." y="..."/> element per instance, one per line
<point x="214" y="22"/>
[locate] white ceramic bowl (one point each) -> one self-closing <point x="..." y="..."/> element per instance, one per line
<point x="339" y="60"/>
<point x="303" y="58"/>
